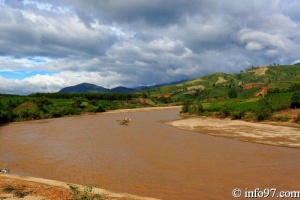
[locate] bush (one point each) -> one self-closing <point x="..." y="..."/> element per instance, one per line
<point x="193" y="110"/>
<point x="93" y="102"/>
<point x="85" y="195"/>
<point x="232" y="93"/>
<point x="297" y="119"/>
<point x="30" y="114"/>
<point x="249" y="116"/>
<point x="78" y="102"/>
<point x="281" y="118"/>
<point x="100" y="109"/>
<point x="186" y="106"/>
<point x="59" y="112"/>
<point x="295" y="100"/>
<point x="264" y="110"/>
<point x="5" y="116"/>
<point x="225" y="111"/>
<point x="200" y="108"/>
<point x="237" y="115"/>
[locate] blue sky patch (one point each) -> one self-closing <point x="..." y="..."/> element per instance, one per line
<point x="36" y="59"/>
<point x="21" y="74"/>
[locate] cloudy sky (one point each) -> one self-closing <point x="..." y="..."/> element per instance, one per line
<point x="46" y="45"/>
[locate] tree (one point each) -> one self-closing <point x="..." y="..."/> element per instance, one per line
<point x="265" y="109"/>
<point x="186" y="106"/>
<point x="200" y="108"/>
<point x="232" y="93"/>
<point x="5" y="116"/>
<point x="295" y="100"/>
<point x="144" y="95"/>
<point x="78" y="102"/>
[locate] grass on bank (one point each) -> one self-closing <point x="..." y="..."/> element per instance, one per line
<point x="250" y="109"/>
<point x="20" y="108"/>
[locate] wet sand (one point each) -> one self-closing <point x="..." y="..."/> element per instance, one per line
<point x="146" y="158"/>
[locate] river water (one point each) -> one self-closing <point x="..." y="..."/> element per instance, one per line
<point x="146" y="158"/>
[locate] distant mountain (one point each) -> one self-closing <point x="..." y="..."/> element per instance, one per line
<point x="84" y="87"/>
<point x="122" y="89"/>
<point x="91" y="88"/>
<point x="158" y="85"/>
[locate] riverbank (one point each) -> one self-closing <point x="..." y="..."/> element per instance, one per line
<point x="15" y="187"/>
<point x="263" y="133"/>
<point x="145" y="109"/>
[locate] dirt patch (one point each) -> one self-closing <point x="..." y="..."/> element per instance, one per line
<point x="201" y="87"/>
<point x="221" y="80"/>
<point x="260" y="71"/>
<point x="262" y="91"/>
<point x="11" y="188"/>
<point x="244" y="131"/>
<point x="190" y="82"/>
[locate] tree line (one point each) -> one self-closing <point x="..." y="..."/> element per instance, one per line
<point x="89" y="96"/>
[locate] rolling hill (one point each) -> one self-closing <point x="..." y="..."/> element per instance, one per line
<point x="247" y="83"/>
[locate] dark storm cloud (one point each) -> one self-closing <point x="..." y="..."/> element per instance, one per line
<point x="136" y="42"/>
<point x="28" y="33"/>
<point x="156" y="12"/>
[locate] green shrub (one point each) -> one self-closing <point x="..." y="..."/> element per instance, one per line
<point x="249" y="116"/>
<point x="281" y="118"/>
<point x="93" y="102"/>
<point x="5" y="116"/>
<point x="60" y="112"/>
<point x="237" y="115"/>
<point x="29" y="114"/>
<point x="192" y="110"/>
<point x="232" y="93"/>
<point x="297" y="119"/>
<point x="85" y="195"/>
<point x="186" y="106"/>
<point x="264" y="110"/>
<point x="19" y="193"/>
<point x="225" y="111"/>
<point x="206" y="113"/>
<point x="78" y="102"/>
<point x="200" y="108"/>
<point x="295" y="100"/>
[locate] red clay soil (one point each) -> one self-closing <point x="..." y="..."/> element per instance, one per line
<point x="262" y="91"/>
<point x="252" y="85"/>
<point x="37" y="191"/>
<point x="33" y="189"/>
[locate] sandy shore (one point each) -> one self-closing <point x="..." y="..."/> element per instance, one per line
<point x="38" y="189"/>
<point x="244" y="131"/>
<point x="263" y="133"/>
<point x="146" y="109"/>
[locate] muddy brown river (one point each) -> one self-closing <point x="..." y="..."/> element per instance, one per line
<point x="146" y="158"/>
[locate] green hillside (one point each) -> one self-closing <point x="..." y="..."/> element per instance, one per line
<point x="246" y="83"/>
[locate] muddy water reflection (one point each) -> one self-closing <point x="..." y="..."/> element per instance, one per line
<point x="145" y="158"/>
